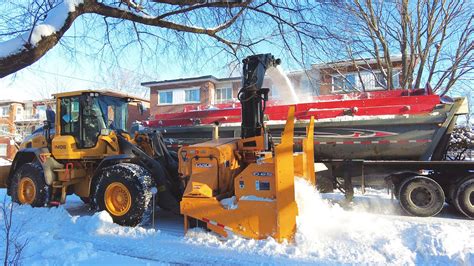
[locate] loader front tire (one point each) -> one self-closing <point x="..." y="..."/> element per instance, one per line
<point x="123" y="191"/>
<point x="28" y="186"/>
<point x="421" y="196"/>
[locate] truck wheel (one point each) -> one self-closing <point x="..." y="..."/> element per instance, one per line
<point x="29" y="187"/>
<point x="325" y="184"/>
<point x="464" y="198"/>
<point x="421" y="196"/>
<point x="123" y="191"/>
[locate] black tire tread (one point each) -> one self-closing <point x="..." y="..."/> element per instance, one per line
<point x="137" y="180"/>
<point x="35" y="172"/>
<point x="462" y="206"/>
<point x="415" y="210"/>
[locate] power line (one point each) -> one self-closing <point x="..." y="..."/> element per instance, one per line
<point x="66" y="76"/>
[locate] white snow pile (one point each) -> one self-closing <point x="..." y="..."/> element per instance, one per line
<point x="54" y="21"/>
<point x="371" y="232"/>
<point x="4" y="162"/>
<point x="328" y="234"/>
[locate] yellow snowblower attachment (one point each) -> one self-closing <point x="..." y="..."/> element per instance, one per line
<point x="228" y="194"/>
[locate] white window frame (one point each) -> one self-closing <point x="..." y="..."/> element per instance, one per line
<point x="345" y="79"/>
<point x="159" y="98"/>
<point x="2" y="108"/>
<point x="3" y="149"/>
<point x="198" y="89"/>
<point x="358" y="82"/>
<point x="4" y="130"/>
<point x="396" y="73"/>
<point x="226" y="99"/>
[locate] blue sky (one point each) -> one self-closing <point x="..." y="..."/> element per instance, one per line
<point x="77" y="64"/>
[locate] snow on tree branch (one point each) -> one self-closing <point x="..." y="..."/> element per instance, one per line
<point x="55" y="20"/>
<point x="25" y="49"/>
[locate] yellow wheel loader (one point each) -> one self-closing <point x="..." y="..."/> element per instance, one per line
<point x="243" y="186"/>
<point x="86" y="151"/>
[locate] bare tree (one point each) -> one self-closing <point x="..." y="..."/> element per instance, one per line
<point x="14" y="241"/>
<point x="434" y="38"/>
<point x="231" y="26"/>
<point x="126" y="81"/>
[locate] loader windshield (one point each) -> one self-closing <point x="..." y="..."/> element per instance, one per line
<point x="115" y="111"/>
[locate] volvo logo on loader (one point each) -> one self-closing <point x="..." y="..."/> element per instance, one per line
<point x="60" y="147"/>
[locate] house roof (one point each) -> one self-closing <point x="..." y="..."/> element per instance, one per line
<point x="5" y="102"/>
<point x="183" y="81"/>
<point x="190" y="80"/>
<point x="364" y="61"/>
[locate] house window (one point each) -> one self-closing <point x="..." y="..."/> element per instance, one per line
<point x="342" y="83"/>
<point x="4" y="130"/>
<point x="166" y="97"/>
<point x="381" y="82"/>
<point x="19" y="112"/>
<point x="192" y="96"/>
<point x="4" y="111"/>
<point x="41" y="112"/>
<point x="223" y="95"/>
<point x="3" y="149"/>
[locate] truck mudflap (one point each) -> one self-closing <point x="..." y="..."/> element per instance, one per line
<point x="4" y="172"/>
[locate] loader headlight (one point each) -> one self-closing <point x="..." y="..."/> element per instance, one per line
<point x="105" y="132"/>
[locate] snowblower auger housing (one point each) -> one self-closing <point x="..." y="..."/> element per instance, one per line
<point x="244" y="186"/>
<point x="254" y="200"/>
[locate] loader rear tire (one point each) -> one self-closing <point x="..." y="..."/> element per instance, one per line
<point x="28" y="186"/>
<point x="464" y="197"/>
<point x="124" y="192"/>
<point x="421" y="196"/>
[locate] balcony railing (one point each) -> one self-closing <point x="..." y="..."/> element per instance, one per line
<point x="30" y="118"/>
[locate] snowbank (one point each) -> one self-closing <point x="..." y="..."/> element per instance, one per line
<point x="328" y="234"/>
<point x="369" y="231"/>
<point x="4" y="162"/>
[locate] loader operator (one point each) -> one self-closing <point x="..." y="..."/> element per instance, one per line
<point x="93" y="123"/>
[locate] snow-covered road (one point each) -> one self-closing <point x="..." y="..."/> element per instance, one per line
<point x="371" y="230"/>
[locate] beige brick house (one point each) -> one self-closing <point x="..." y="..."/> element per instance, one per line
<point x="179" y="95"/>
<point x="9" y="112"/>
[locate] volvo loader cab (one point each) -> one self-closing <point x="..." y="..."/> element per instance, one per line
<point x="87" y="152"/>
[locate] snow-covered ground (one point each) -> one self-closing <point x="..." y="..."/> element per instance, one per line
<point x="371" y="230"/>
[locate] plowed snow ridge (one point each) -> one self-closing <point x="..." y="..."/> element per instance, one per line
<point x="372" y="231"/>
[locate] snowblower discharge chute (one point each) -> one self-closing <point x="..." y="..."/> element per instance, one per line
<point x="246" y="186"/>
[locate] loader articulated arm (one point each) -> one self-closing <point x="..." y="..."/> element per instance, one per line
<point x="252" y="96"/>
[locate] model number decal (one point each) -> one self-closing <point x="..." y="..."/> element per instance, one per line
<point x="203" y="165"/>
<point x="262" y="174"/>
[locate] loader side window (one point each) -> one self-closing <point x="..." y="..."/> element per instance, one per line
<point x="70" y="115"/>
<point x="92" y="123"/>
